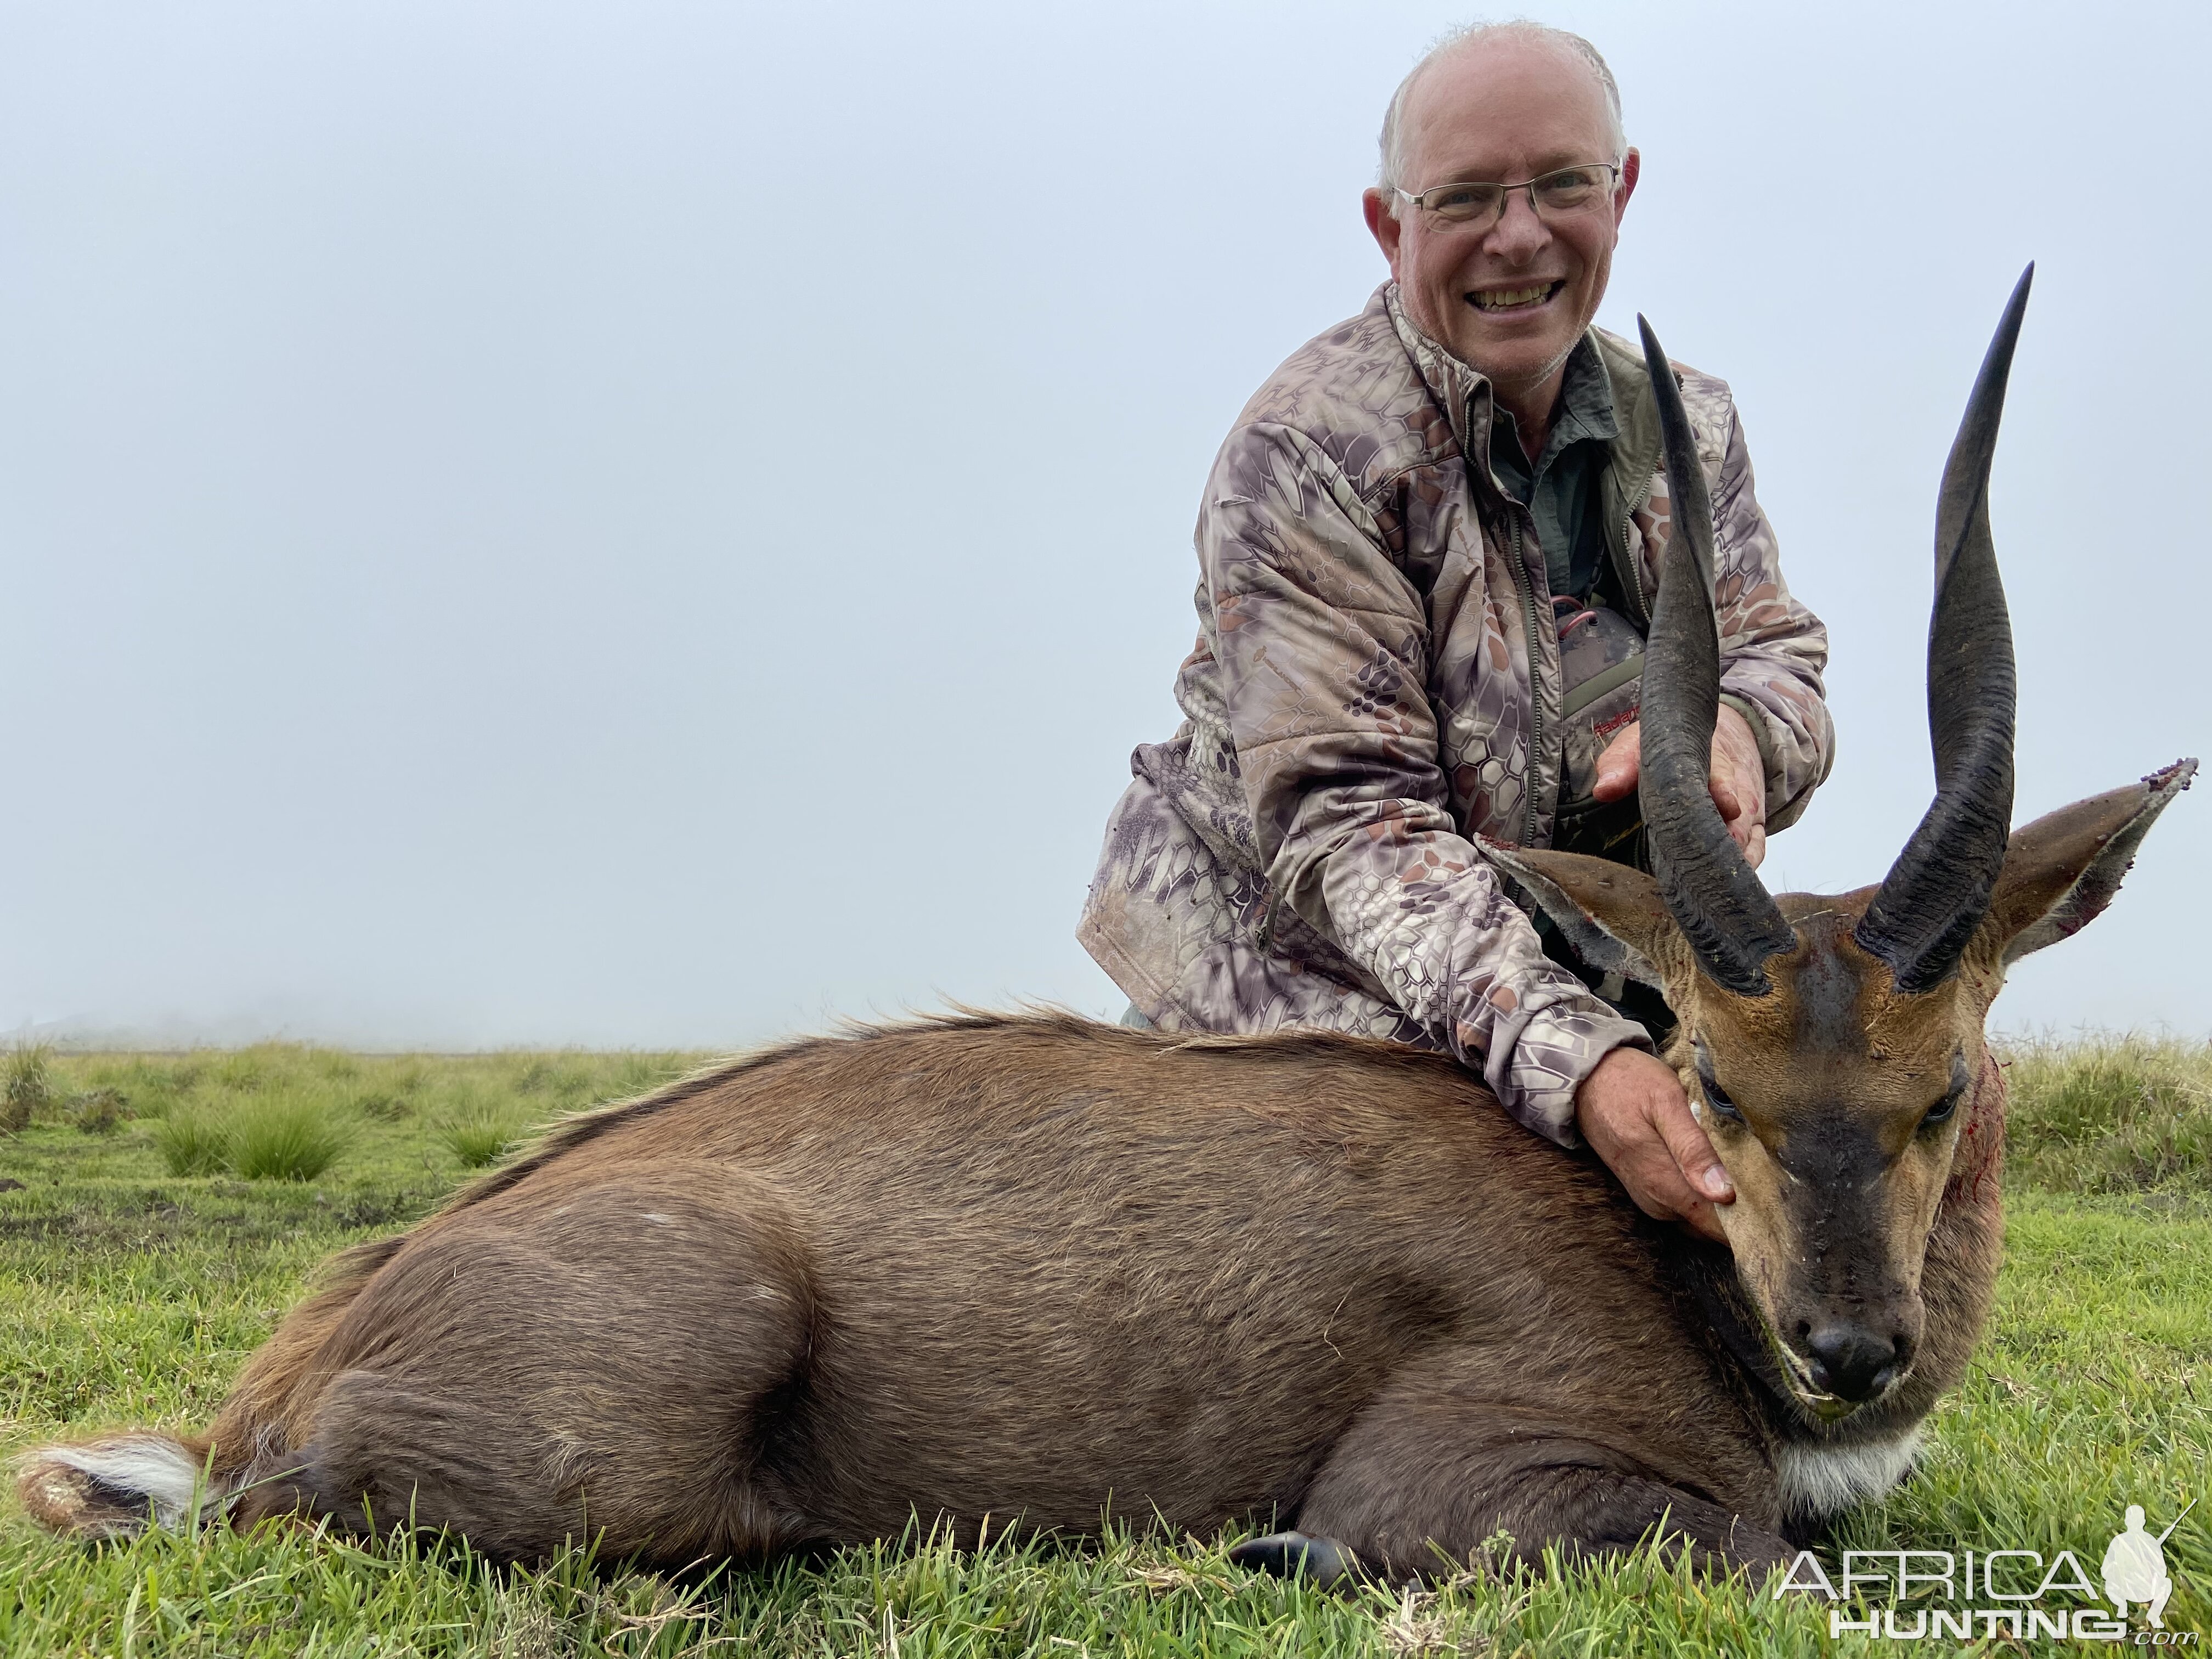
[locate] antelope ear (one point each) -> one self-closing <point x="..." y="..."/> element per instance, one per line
<point x="1610" y="913"/>
<point x="2062" y="871"/>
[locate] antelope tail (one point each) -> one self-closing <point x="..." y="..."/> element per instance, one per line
<point x="118" y="1486"/>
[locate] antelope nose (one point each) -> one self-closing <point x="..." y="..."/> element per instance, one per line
<point x="1850" y="1362"/>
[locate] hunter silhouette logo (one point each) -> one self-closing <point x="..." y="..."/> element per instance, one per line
<point x="2135" y="1567"/>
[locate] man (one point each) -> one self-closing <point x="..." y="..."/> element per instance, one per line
<point x="1427" y="551"/>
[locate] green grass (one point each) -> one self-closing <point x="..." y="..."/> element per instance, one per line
<point x="193" y="1141"/>
<point x="479" y="1125"/>
<point x="26" y="1086"/>
<point x="2113" y="1114"/>
<point x="285" y="1137"/>
<point x="131" y="1292"/>
<point x="481" y="1138"/>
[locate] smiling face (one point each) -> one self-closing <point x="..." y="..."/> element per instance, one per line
<point x="1511" y="299"/>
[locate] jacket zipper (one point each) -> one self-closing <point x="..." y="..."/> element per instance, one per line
<point x="1635" y="565"/>
<point x="1535" y="682"/>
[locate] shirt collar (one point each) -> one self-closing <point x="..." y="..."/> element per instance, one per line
<point x="1585" y="409"/>
<point x="1586" y="400"/>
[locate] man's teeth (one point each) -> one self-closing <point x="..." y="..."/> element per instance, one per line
<point x="1505" y="298"/>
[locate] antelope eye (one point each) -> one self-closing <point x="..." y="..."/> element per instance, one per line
<point x="1961" y="1080"/>
<point x="1716" y="1097"/>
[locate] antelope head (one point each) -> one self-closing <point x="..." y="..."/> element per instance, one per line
<point x="1829" y="1044"/>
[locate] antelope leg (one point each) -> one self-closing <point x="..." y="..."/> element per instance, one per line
<point x="1424" y="1479"/>
<point x="1294" y="1555"/>
<point x="615" y="1362"/>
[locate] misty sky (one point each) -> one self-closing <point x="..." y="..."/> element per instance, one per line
<point x="660" y="524"/>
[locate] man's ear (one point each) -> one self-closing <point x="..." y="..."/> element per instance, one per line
<point x="2062" y="871"/>
<point x="1384" y="225"/>
<point x="1610" y="913"/>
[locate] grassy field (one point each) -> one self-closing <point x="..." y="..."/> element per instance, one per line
<point x="158" y="1215"/>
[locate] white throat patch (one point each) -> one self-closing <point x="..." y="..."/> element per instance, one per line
<point x="1819" y="1482"/>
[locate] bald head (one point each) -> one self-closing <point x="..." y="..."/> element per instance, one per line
<point x="1453" y="68"/>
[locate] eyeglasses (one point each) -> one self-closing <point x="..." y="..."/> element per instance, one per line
<point x="1564" y="190"/>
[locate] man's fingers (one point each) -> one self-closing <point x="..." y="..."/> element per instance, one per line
<point x="1738" y="781"/>
<point x="1619" y="765"/>
<point x="1656" y="1185"/>
<point x="1694" y="1153"/>
<point x="1724" y="798"/>
<point x="1754" y="846"/>
<point x="1633" y="1113"/>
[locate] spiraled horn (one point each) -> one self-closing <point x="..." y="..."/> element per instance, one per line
<point x="1935" y="895"/>
<point x="1714" y="895"/>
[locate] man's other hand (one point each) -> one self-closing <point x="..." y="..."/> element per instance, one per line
<point x="1633" y="1113"/>
<point x="1738" y="780"/>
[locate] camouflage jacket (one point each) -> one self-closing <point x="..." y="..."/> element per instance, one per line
<point x="1362" y="713"/>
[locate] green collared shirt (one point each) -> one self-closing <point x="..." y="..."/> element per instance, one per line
<point x="1561" y="491"/>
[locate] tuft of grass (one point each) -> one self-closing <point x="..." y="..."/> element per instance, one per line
<point x="480" y="1136"/>
<point x="284" y="1137"/>
<point x="148" y="1088"/>
<point x="194" y="1142"/>
<point x="482" y="1115"/>
<point x="562" y="1083"/>
<point x="98" y="1111"/>
<point x="27" y="1085"/>
<point x="385" y="1105"/>
<point x="2117" y="1115"/>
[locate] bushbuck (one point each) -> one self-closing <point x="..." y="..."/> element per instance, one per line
<point x="1033" y="1272"/>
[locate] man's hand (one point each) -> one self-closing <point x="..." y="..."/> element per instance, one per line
<point x="1738" y="781"/>
<point x="1633" y="1113"/>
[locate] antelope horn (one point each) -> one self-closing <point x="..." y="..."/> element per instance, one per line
<point x="1715" y="898"/>
<point x="1935" y="895"/>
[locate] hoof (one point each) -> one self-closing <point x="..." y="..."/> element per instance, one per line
<point x="1294" y="1555"/>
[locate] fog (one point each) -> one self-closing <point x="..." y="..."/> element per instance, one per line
<point x="658" y="525"/>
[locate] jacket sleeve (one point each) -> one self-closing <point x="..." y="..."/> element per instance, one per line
<point x="1772" y="649"/>
<point x="1323" y="648"/>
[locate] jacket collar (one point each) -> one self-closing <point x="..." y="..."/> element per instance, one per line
<point x="1632" y="459"/>
<point x="1464" y="394"/>
<point x="1637" y="447"/>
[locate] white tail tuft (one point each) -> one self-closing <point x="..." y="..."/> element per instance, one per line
<point x="112" y="1488"/>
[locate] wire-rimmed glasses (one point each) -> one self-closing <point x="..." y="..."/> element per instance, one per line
<point x="1563" y="191"/>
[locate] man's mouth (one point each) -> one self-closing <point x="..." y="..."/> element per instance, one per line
<point x="1494" y="301"/>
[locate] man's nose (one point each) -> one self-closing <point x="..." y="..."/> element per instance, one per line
<point x="1519" y="234"/>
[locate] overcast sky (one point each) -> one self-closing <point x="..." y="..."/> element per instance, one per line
<point x="658" y="524"/>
